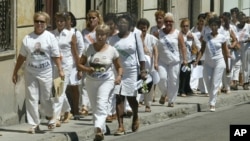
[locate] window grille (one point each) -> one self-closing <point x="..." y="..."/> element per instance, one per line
<point x="5" y="25"/>
<point x="132" y="6"/>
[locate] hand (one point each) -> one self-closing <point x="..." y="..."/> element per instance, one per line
<point x="143" y="75"/>
<point x="79" y="75"/>
<point x="190" y="36"/>
<point x="61" y="74"/>
<point x="118" y="80"/>
<point x="91" y="70"/>
<point x="195" y="63"/>
<point x="14" y="78"/>
<point x="184" y="62"/>
<point x="156" y="34"/>
<point x="156" y="67"/>
<point x="227" y="70"/>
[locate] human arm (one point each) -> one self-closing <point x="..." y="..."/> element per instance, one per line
<point x="57" y="61"/>
<point x="200" y="53"/>
<point x="119" y="70"/>
<point x="182" y="48"/>
<point x="81" y="65"/>
<point x="225" y="55"/>
<point x="19" y="63"/>
<point x="141" y="56"/>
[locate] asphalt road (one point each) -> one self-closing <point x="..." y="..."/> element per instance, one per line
<point x="203" y="126"/>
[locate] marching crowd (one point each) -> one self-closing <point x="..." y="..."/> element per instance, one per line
<point x="115" y="63"/>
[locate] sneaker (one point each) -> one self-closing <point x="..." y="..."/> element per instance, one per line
<point x="119" y="132"/>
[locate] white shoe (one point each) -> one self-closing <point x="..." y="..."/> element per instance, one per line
<point x="212" y="108"/>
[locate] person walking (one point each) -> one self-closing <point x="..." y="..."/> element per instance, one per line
<point x="171" y="46"/>
<point x="38" y="50"/>
<point x="97" y="62"/>
<point x="130" y="48"/>
<point x="67" y="44"/>
<point x="216" y="59"/>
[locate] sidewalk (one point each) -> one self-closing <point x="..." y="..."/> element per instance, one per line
<point x="83" y="129"/>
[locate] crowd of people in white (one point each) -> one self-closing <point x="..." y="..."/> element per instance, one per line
<point x="105" y="62"/>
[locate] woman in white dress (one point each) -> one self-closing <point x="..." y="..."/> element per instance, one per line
<point x="216" y="59"/>
<point x="130" y="48"/>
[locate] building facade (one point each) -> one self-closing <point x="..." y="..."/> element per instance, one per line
<point x="16" y="20"/>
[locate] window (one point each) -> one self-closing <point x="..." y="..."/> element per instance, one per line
<point x="5" y="25"/>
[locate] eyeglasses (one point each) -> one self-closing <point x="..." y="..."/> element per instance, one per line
<point x="39" y="21"/>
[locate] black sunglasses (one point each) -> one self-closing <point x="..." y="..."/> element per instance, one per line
<point x="39" y="21"/>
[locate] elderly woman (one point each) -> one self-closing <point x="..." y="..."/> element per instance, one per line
<point x="216" y="59"/>
<point x="38" y="50"/>
<point x="94" y="18"/>
<point x="171" y="46"/>
<point x="97" y="62"/>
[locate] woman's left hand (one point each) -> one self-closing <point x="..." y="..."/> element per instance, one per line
<point x="143" y="75"/>
<point x="118" y="80"/>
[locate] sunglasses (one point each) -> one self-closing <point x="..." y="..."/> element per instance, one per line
<point x="39" y="21"/>
<point x="168" y="21"/>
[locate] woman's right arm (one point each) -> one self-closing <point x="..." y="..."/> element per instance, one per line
<point x="200" y="53"/>
<point x="81" y="65"/>
<point x="19" y="63"/>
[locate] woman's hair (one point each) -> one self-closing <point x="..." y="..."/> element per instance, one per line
<point x="159" y="13"/>
<point x="201" y="15"/>
<point x="103" y="27"/>
<point x="215" y="20"/>
<point x="128" y="18"/>
<point x="169" y="15"/>
<point x="98" y="15"/>
<point x="143" y="21"/>
<point x="64" y="15"/>
<point x="235" y="9"/>
<point x="73" y="19"/>
<point x="226" y="16"/>
<point x="183" y="21"/>
<point x="44" y="14"/>
<point x="110" y="17"/>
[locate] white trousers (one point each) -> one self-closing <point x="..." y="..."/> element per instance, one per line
<point x="236" y="67"/>
<point x="99" y="92"/>
<point x="84" y="98"/>
<point x="245" y="59"/>
<point x="226" y="78"/>
<point x="169" y="80"/>
<point x="38" y="87"/>
<point x="212" y="74"/>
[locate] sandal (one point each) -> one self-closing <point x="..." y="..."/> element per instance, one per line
<point x="67" y="117"/>
<point x="51" y="125"/>
<point x="99" y="137"/>
<point x="35" y="129"/>
<point x="147" y="109"/>
<point x="84" y="111"/>
<point x="162" y="100"/>
<point x="58" y="123"/>
<point x="135" y="125"/>
<point x="119" y="132"/>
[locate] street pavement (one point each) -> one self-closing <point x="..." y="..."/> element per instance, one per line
<point x="80" y="130"/>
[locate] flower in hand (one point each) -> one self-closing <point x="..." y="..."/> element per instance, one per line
<point x="144" y="87"/>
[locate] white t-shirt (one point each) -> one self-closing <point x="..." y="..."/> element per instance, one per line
<point x="213" y="51"/>
<point x="64" y="41"/>
<point x="38" y="50"/>
<point x="154" y="29"/>
<point x="150" y="41"/>
<point x="101" y="62"/>
<point x="168" y="47"/>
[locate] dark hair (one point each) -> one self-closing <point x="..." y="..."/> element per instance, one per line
<point x="202" y="15"/>
<point x="73" y="19"/>
<point x="65" y="15"/>
<point x="235" y="9"/>
<point x="241" y="15"/>
<point x="127" y="17"/>
<point x="215" y="20"/>
<point x="226" y="16"/>
<point x="143" y="21"/>
<point x="110" y="16"/>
